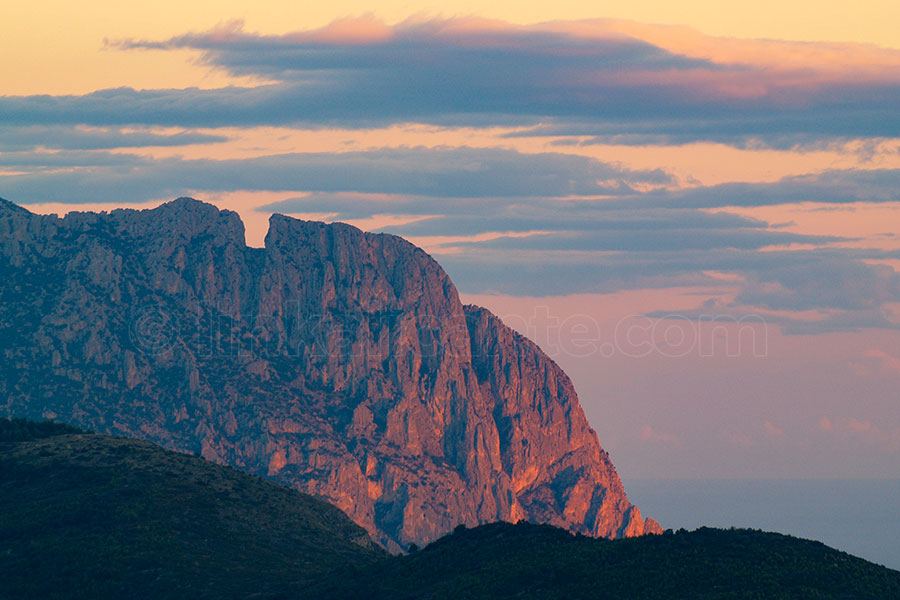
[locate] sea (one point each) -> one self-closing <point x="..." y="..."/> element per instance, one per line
<point x="858" y="516"/>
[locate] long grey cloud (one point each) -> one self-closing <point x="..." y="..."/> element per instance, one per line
<point x="830" y="187"/>
<point x="59" y="137"/>
<point x="847" y="291"/>
<point x="440" y="72"/>
<point x="440" y="173"/>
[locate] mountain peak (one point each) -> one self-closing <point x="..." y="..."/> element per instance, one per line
<point x="7" y="206"/>
<point x="180" y="221"/>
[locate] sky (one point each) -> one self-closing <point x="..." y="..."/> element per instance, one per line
<point x="692" y="207"/>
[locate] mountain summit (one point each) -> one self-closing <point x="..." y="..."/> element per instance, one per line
<point x="338" y="362"/>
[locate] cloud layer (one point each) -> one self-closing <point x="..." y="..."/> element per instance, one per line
<point x="436" y="173"/>
<point x="589" y="78"/>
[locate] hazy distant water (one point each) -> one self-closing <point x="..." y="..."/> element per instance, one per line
<point x="859" y="516"/>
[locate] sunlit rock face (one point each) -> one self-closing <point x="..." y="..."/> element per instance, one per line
<point x="337" y="362"/>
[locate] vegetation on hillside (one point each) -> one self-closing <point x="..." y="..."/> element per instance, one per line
<point x="542" y="562"/>
<point x="91" y="516"/>
<point x="23" y="430"/>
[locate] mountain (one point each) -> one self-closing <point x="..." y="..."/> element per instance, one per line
<point x="337" y="362"/>
<point x="90" y="516"/>
<point x="501" y="560"/>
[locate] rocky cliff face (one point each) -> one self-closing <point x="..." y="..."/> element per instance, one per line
<point x="337" y="362"/>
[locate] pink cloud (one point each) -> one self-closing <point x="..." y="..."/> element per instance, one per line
<point x="833" y="59"/>
<point x="359" y="30"/>
<point x="870" y="433"/>
<point x="875" y="362"/>
<point x="726" y="67"/>
<point x="772" y="430"/>
<point x="863" y="431"/>
<point x="885" y="362"/>
<point x="649" y="434"/>
<point x="859" y="426"/>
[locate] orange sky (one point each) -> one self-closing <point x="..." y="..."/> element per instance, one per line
<point x="59" y="45"/>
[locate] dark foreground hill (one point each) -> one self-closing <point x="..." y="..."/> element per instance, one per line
<point x="90" y="516"/>
<point x="522" y="561"/>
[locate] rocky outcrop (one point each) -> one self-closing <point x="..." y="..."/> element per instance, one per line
<point x="338" y="362"/>
<point x="559" y="472"/>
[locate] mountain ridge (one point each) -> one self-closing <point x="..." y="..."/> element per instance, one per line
<point x="338" y="362"/>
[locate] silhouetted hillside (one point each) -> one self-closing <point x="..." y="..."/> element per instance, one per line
<point x="542" y="562"/>
<point x="90" y="516"/>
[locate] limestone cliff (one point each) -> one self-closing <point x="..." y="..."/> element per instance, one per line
<point x="338" y="362"/>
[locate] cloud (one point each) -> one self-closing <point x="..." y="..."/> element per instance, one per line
<point x="829" y="187"/>
<point x="887" y="363"/>
<point x="631" y="224"/>
<point x="649" y="434"/>
<point x="430" y="49"/>
<point x="826" y="283"/>
<point x="568" y="224"/>
<point x="863" y="430"/>
<point x="540" y="273"/>
<point x="859" y="426"/>
<point x="442" y="172"/>
<point x="583" y="78"/>
<point x="837" y="321"/>
<point x="21" y="139"/>
<point x="651" y="238"/>
<point x="772" y="430"/>
<point x="189" y="107"/>
<point x="871" y="433"/>
<point x="876" y="362"/>
<point x="831" y="322"/>
<point x="42" y="161"/>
